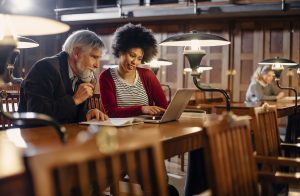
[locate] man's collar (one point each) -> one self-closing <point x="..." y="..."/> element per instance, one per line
<point x="71" y="73"/>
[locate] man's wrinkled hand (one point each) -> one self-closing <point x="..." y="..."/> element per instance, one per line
<point x="84" y="91"/>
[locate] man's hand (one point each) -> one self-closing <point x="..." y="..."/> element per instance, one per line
<point x="96" y="114"/>
<point x="84" y="91"/>
<point x="152" y="110"/>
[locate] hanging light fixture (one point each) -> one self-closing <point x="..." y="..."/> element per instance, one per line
<point x="193" y="43"/>
<point x="278" y="64"/>
<point x="22" y="43"/>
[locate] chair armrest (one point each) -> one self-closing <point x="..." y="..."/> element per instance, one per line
<point x="290" y="148"/>
<point x="204" y="193"/>
<point x="278" y="161"/>
<point x="279" y="177"/>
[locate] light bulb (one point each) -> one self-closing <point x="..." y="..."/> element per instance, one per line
<point x="277" y="66"/>
<point x="195" y="45"/>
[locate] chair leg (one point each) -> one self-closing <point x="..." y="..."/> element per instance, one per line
<point x="182" y="161"/>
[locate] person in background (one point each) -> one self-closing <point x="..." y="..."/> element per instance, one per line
<point x="129" y="90"/>
<point x="60" y="85"/>
<point x="262" y="87"/>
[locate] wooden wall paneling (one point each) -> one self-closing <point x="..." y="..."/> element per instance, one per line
<point x="172" y="75"/>
<point x="247" y="51"/>
<point x="237" y="62"/>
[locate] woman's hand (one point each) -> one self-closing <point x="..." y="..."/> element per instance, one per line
<point x="96" y="114"/>
<point x="152" y="110"/>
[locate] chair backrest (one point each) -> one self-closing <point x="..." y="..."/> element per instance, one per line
<point x="267" y="138"/>
<point x="94" y="102"/>
<point x="91" y="167"/>
<point x="10" y="104"/>
<point x="230" y="161"/>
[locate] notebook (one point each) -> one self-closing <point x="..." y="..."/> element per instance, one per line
<point x="175" y="108"/>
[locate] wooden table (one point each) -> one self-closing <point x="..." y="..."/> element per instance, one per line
<point x="177" y="137"/>
<point x="284" y="109"/>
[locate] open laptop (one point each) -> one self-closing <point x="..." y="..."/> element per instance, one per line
<point x="175" y="108"/>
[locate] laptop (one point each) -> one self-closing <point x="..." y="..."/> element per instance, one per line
<point x="175" y="108"/>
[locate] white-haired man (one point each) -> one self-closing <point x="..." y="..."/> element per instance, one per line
<point x="60" y="85"/>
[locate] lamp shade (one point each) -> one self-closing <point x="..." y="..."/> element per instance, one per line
<point x="32" y="25"/>
<point x="277" y="65"/>
<point x="277" y="60"/>
<point x="158" y="62"/>
<point x="194" y="37"/>
<point x="25" y="42"/>
<point x="297" y="66"/>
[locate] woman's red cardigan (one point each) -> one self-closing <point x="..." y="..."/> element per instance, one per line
<point x="152" y="87"/>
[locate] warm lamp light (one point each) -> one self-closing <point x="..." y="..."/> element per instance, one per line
<point x="12" y="26"/>
<point x="278" y="65"/>
<point x="155" y="64"/>
<point x="31" y="25"/>
<point x="25" y="42"/>
<point x="22" y="43"/>
<point x="193" y="42"/>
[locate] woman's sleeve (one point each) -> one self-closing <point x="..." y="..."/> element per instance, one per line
<point x="263" y="97"/>
<point x="109" y="99"/>
<point x="157" y="92"/>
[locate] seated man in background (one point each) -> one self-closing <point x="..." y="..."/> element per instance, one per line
<point x="261" y="87"/>
<point x="60" y="85"/>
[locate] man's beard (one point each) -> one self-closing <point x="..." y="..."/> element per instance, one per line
<point x="85" y="74"/>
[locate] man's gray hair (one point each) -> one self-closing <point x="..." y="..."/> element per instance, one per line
<point x="84" y="39"/>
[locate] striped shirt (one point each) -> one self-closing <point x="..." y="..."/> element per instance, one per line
<point x="127" y="94"/>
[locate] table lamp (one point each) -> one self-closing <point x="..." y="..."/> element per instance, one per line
<point x="155" y="65"/>
<point x="278" y="65"/>
<point x="12" y="26"/>
<point x="193" y="42"/>
<point x="23" y="43"/>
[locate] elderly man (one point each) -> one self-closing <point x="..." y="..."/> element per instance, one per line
<point x="60" y="85"/>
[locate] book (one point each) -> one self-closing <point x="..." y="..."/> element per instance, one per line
<point x="115" y="122"/>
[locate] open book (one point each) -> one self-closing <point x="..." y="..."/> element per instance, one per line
<point x="115" y="122"/>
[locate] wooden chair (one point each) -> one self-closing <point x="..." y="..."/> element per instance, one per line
<point x="94" y="102"/>
<point x="89" y="168"/>
<point x="266" y="136"/>
<point x="10" y="104"/>
<point x="230" y="160"/>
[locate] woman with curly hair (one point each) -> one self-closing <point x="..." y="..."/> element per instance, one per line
<point x="129" y="90"/>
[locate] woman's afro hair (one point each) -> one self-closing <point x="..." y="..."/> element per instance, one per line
<point x="134" y="36"/>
